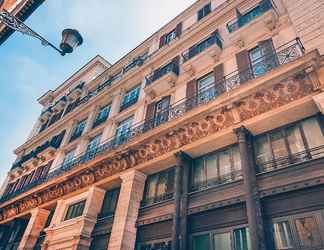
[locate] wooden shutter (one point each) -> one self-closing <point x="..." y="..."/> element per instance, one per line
<point x="191" y="94"/>
<point x="162" y="40"/>
<point x="219" y="74"/>
<point x="243" y="65"/>
<point x="149" y="117"/>
<point x="179" y="29"/>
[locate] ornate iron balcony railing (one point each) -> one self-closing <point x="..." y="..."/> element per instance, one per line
<point x="157" y="74"/>
<point x="284" y="54"/>
<point x="282" y="162"/>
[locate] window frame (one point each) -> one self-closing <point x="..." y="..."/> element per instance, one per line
<point x="172" y="35"/>
<point x="128" y="100"/>
<point x="71" y="206"/>
<point x="99" y="118"/>
<point x="205" y="11"/>
<point x="78" y="129"/>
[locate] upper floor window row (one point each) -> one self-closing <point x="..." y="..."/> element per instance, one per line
<point x="244" y="19"/>
<point x="170" y="36"/>
<point x="102" y="115"/>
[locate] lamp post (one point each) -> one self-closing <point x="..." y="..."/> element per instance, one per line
<point x="70" y="38"/>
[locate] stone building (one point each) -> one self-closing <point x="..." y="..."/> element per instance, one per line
<point x="209" y="135"/>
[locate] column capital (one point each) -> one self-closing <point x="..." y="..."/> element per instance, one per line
<point x="182" y="156"/>
<point x="242" y="132"/>
<point x="133" y="175"/>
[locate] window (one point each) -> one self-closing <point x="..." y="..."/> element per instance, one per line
<point x="75" y="210"/>
<point x="102" y="115"/>
<point x="216" y="168"/>
<point x="110" y="203"/>
<point x="204" y="11"/>
<point x="205" y="90"/>
<point x="170" y="36"/>
<point x="130" y="98"/>
<point x="162" y="111"/>
<point x="159" y="187"/>
<point x="69" y="156"/>
<point x="227" y="239"/>
<point x="301" y="231"/>
<point x="282" y="235"/>
<point x="78" y="130"/>
<point x="123" y="130"/>
<point x="93" y="143"/>
<point x="291" y="144"/>
<point x="256" y="59"/>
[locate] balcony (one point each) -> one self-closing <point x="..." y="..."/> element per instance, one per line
<point x="284" y="54"/>
<point x="162" y="79"/>
<point x="59" y="105"/>
<point x="248" y="17"/>
<point x="212" y="47"/>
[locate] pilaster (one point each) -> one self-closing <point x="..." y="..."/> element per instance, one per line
<point x="253" y="204"/>
<point x="35" y="225"/>
<point x="123" y="235"/>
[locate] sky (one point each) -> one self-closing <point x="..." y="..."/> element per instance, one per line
<point x="110" y="28"/>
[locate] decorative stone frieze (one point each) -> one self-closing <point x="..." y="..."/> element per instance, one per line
<point x="264" y="100"/>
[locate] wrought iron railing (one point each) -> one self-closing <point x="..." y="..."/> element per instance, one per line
<point x="283" y="55"/>
<point x="220" y="180"/>
<point x="202" y="46"/>
<point x="282" y="162"/>
<point x="163" y="245"/>
<point x="246" y="18"/>
<point x="157" y="74"/>
<point x="157" y="199"/>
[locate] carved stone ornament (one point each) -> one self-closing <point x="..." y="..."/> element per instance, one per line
<point x="258" y="103"/>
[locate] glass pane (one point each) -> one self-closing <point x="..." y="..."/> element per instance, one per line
<point x="198" y="172"/>
<point x="262" y="150"/>
<point x="282" y="235"/>
<point x="308" y="232"/>
<point x="236" y="158"/>
<point x="224" y="164"/>
<point x="201" y="242"/>
<point x="162" y="184"/>
<point x="295" y="140"/>
<point x="222" y="241"/>
<point x="151" y="186"/>
<point x="205" y="82"/>
<point x="313" y="136"/>
<point x="211" y="165"/>
<point x="242" y="239"/>
<point x="278" y="145"/>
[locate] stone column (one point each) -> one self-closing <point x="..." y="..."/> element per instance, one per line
<point x="253" y="204"/>
<point x="184" y="161"/>
<point x="35" y="225"/>
<point x="123" y="235"/>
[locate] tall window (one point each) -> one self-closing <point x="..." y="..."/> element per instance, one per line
<point x="130" y="98"/>
<point x="170" y="36"/>
<point x="237" y="239"/>
<point x="102" y="115"/>
<point x="110" y="203"/>
<point x="290" y="144"/>
<point x="159" y="187"/>
<point x="75" y="210"/>
<point x="162" y="111"/>
<point x="282" y="235"/>
<point x="123" y="130"/>
<point x="204" y="11"/>
<point x="216" y="168"/>
<point x="93" y="143"/>
<point x="69" y="156"/>
<point x="78" y="130"/>
<point x="204" y="84"/>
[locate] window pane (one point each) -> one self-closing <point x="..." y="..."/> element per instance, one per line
<point x="282" y="235"/>
<point x="211" y="165"/>
<point x="222" y="241"/>
<point x="308" y="232"/>
<point x="278" y="145"/>
<point x="162" y="184"/>
<point x="236" y="158"/>
<point x="198" y="172"/>
<point x="205" y="82"/>
<point x="262" y="149"/>
<point x="201" y="242"/>
<point x="313" y="135"/>
<point x="242" y="239"/>
<point x="75" y="210"/>
<point x="295" y="140"/>
<point x="224" y="163"/>
<point x="151" y="186"/>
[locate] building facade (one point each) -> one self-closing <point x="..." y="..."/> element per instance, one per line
<point x="209" y="135"/>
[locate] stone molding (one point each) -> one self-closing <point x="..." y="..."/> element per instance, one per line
<point x="260" y="102"/>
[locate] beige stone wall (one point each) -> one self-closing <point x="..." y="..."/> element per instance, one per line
<point x="308" y="20"/>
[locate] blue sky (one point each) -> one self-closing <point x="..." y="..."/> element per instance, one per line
<point x="110" y="28"/>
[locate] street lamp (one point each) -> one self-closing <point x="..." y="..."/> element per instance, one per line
<point x="70" y="38"/>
